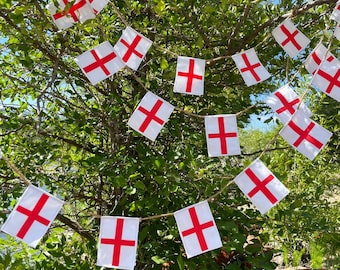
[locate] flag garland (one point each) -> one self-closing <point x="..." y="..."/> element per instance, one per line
<point x="270" y="187"/>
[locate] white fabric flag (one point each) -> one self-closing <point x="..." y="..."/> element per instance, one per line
<point x="314" y="60"/>
<point x="337" y="32"/>
<point x="150" y="116"/>
<point x="327" y="79"/>
<point x="222" y="135"/>
<point x="98" y="5"/>
<point x="197" y="229"/>
<point x="32" y="215"/>
<point x="261" y="187"/>
<point x="132" y="47"/>
<point x="336" y="12"/>
<point x="250" y="67"/>
<point x="291" y="39"/>
<point x="284" y="103"/>
<point x="189" y="76"/>
<point x="305" y="135"/>
<point x="118" y="239"/>
<point x="99" y="63"/>
<point x="79" y="11"/>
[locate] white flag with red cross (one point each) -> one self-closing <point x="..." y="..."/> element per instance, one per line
<point x="305" y="135"/>
<point x="337" y="32"/>
<point x="197" y="229"/>
<point x="99" y="63"/>
<point x="132" y="47"/>
<point x="150" y="116"/>
<point x="327" y="79"/>
<point x="118" y="238"/>
<point x="189" y="76"/>
<point x="98" y="5"/>
<point x="284" y="102"/>
<point x="261" y="186"/>
<point x="222" y="135"/>
<point x="64" y="16"/>
<point x="32" y="215"/>
<point x="250" y="67"/>
<point x="336" y="12"/>
<point x="319" y="54"/>
<point x="291" y="39"/>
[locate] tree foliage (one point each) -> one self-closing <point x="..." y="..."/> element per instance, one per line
<point x="72" y="138"/>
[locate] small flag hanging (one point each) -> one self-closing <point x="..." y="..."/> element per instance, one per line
<point x="222" y="135"/>
<point x="336" y="12"/>
<point x="32" y="215"/>
<point x="189" y="76"/>
<point x="284" y="103"/>
<point x="132" y="47"/>
<point x="327" y="79"/>
<point x="305" y="135"/>
<point x="99" y="63"/>
<point x="314" y="60"/>
<point x="118" y="238"/>
<point x="197" y="229"/>
<point x="150" y="116"/>
<point x="98" y="5"/>
<point x="261" y="187"/>
<point x="290" y="38"/>
<point x="251" y="68"/>
<point x="65" y="16"/>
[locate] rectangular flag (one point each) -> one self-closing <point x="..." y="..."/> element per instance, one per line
<point x="314" y="60"/>
<point x="284" y="103"/>
<point x="336" y="12"/>
<point x="261" y="187"/>
<point x="99" y="63"/>
<point x="250" y="67"/>
<point x="32" y="215"/>
<point x="118" y="239"/>
<point x="150" y="116"/>
<point x="305" y="135"/>
<point x="189" y="76"/>
<point x="197" y="229"/>
<point x="327" y="79"/>
<point x="291" y="39"/>
<point x="65" y="16"/>
<point x="132" y="47"/>
<point x="98" y="5"/>
<point x="222" y="135"/>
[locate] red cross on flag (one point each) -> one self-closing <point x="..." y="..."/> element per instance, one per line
<point x="336" y="12"/>
<point x="290" y="38"/>
<point x="327" y="79"/>
<point x="132" y="47"/>
<point x="189" y="76"/>
<point x="150" y="116"/>
<point x="98" y="5"/>
<point x="65" y="16"/>
<point x="284" y="103"/>
<point x="314" y="60"/>
<point x="32" y="215"/>
<point x="261" y="187"/>
<point x="197" y="229"/>
<point x="118" y="238"/>
<point x="99" y="63"/>
<point x="222" y="135"/>
<point x="305" y="135"/>
<point x="251" y="68"/>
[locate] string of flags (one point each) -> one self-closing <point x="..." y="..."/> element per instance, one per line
<point x="118" y="236"/>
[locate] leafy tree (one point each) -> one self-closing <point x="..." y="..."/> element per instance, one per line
<point x="72" y="138"/>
